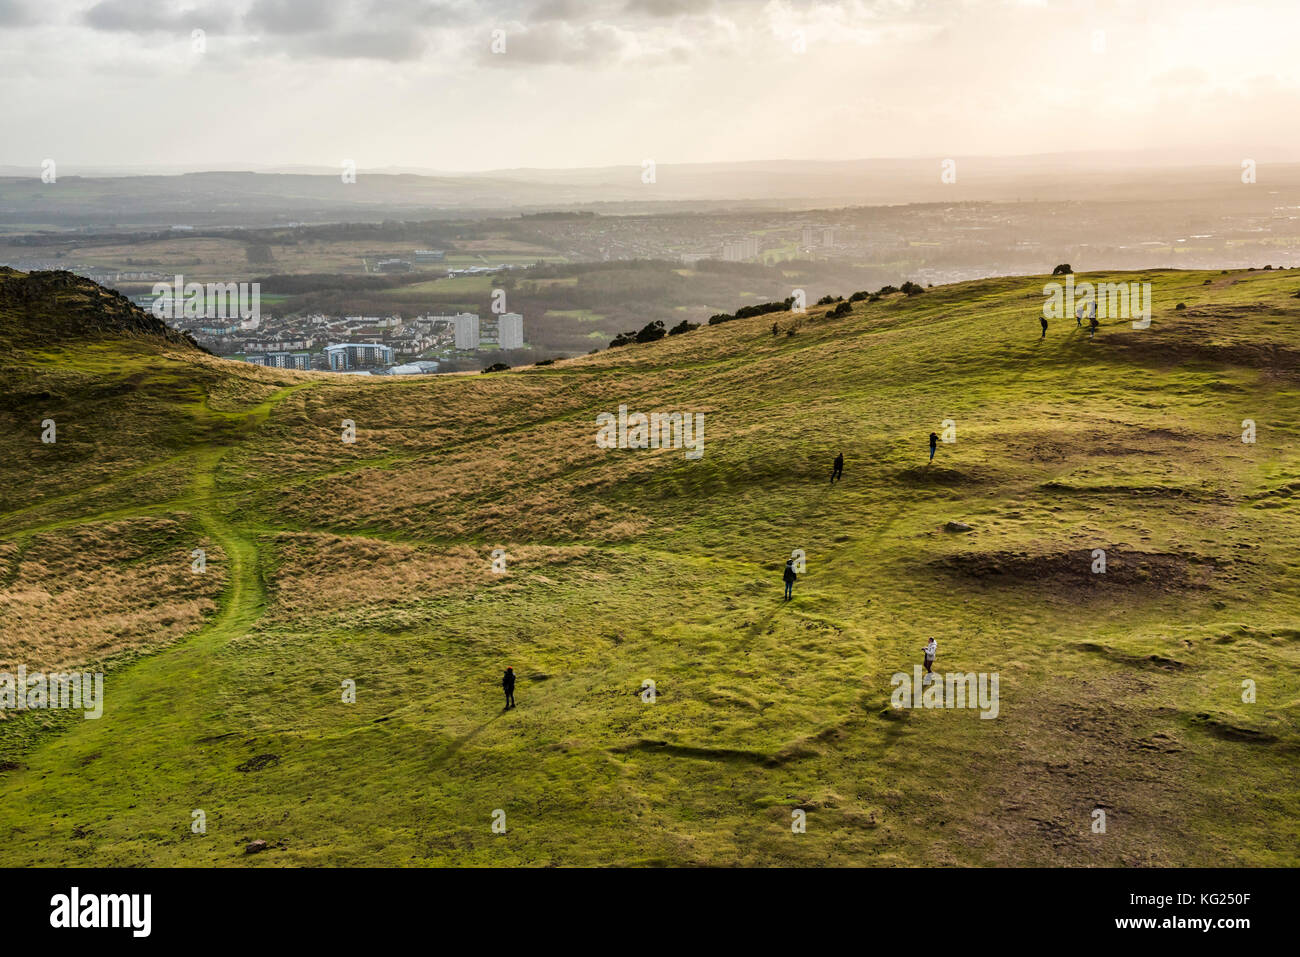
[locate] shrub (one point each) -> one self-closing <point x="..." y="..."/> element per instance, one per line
<point x="912" y="288"/>
<point x="683" y="326"/>
<point x="1181" y="305"/>
<point x="887" y="290"/>
<point x="843" y="309"/>
<point x="1062" y="270"/>
<point x="758" y="309"/>
<point x="497" y="367"/>
<point x="651" y="331"/>
<point x="859" y="296"/>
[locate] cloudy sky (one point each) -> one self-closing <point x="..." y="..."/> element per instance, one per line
<point x="580" y="83"/>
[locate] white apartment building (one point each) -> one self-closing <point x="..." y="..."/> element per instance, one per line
<point x="466" y="326"/>
<point x="505" y="331"/>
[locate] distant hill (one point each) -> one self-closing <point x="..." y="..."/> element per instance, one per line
<point x="245" y="199"/>
<point x="49" y="307"/>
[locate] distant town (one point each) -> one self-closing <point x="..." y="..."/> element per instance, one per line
<point x="369" y="345"/>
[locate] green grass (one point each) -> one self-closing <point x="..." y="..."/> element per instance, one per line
<point x="371" y="562"/>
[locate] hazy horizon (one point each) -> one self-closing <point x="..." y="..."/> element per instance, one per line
<point x="1093" y="160"/>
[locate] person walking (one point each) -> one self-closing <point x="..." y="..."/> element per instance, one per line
<point x="1043" y="321"/>
<point x="934" y="444"/>
<point x="837" y="470"/>
<point x="931" y="648"/>
<point x="1092" y="327"/>
<point x="789" y="577"/>
<point x="508" y="683"/>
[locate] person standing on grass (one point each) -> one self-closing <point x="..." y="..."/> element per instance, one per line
<point x="1092" y="327"/>
<point x="1086" y="308"/>
<point x="1043" y="321"/>
<point x="837" y="470"/>
<point x="789" y="577"/>
<point x="508" y="683"/>
<point x="934" y="444"/>
<point x="931" y="648"/>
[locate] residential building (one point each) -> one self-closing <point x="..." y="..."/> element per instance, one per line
<point x="348" y="356"/>
<point x="510" y="331"/>
<point x="467" y="335"/>
<point x="283" y="360"/>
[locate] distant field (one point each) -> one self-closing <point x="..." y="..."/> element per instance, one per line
<point x="207" y="259"/>
<point x="578" y="315"/>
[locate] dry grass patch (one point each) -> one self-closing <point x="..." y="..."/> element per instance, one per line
<point x="89" y="592"/>
<point x="366" y="581"/>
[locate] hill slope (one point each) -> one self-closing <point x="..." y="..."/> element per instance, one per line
<point x="331" y="562"/>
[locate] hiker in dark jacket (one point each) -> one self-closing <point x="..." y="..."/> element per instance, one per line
<point x="837" y="470"/>
<point x="1092" y="327"/>
<point x="1043" y="320"/>
<point x="508" y="683"/>
<point x="789" y="577"/>
<point x="934" y="444"/>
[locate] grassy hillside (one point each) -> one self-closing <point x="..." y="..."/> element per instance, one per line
<point x="371" y="562"/>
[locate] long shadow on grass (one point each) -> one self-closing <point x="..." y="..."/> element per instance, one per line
<point x="451" y="750"/>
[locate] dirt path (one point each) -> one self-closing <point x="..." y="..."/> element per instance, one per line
<point x="163" y="676"/>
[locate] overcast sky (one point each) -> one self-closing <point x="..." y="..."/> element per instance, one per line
<point x="584" y="83"/>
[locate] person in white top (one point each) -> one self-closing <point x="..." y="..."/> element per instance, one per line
<point x="931" y="647"/>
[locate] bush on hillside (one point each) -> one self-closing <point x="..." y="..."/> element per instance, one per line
<point x="758" y="309"/>
<point x="683" y="326"/>
<point x="1062" y="270"/>
<point x="649" y="333"/>
<point x="497" y="367"/>
<point x="912" y="288"/>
